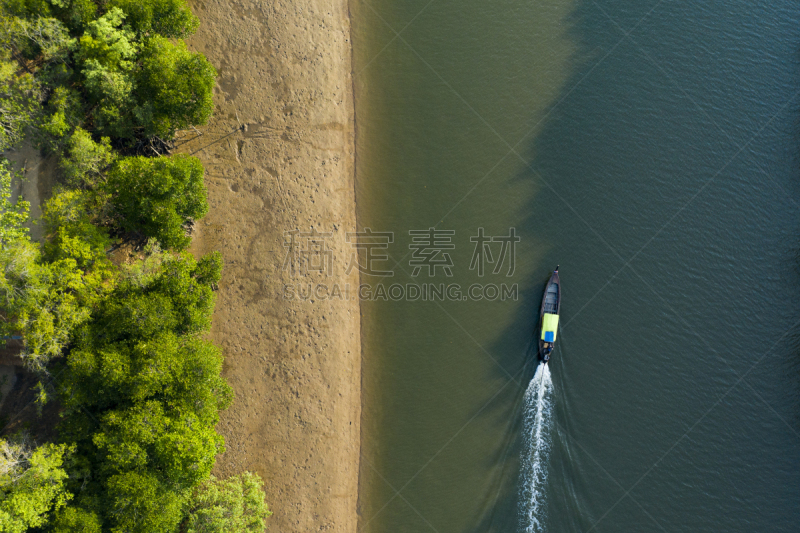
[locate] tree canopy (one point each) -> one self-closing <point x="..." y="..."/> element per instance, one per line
<point x="157" y="197"/>
<point x="235" y="504"/>
<point x="174" y="87"/>
<point x="139" y="384"/>
<point x="32" y="483"/>
<point x="117" y="69"/>
<point x="143" y="391"/>
<point x="18" y="101"/>
<point x="169" y="18"/>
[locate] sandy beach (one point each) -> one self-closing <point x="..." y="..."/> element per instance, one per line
<point x="279" y="157"/>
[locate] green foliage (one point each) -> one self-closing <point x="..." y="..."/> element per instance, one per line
<point x="76" y="520"/>
<point x="85" y="160"/>
<point x="168" y="18"/>
<point x="107" y="43"/>
<point x="63" y="114"/>
<point x="116" y="58"/>
<point x="141" y="387"/>
<point x="44" y="301"/>
<point x="47" y="42"/>
<point x="140" y="503"/>
<point x="76" y="14"/>
<point x="235" y="504"/>
<point x="18" y="102"/>
<point x="157" y="197"/>
<point x="31" y="484"/>
<point x="143" y="391"/>
<point x="146" y="330"/>
<point x="41" y="37"/>
<point x="47" y="297"/>
<point x="69" y="218"/>
<point x="106" y="52"/>
<point x="28" y="8"/>
<point x="174" y="88"/>
<point x="13" y="215"/>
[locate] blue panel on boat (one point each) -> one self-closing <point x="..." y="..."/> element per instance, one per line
<point x="548" y="336"/>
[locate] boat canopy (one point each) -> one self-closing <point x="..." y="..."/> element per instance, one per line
<point x="549" y="327"/>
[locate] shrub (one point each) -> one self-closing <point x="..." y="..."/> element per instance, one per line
<point x="107" y="52"/>
<point x="40" y="36"/>
<point x="85" y="160"/>
<point x="235" y="504"/>
<point x="168" y="18"/>
<point x="18" y="102"/>
<point x="47" y="297"/>
<point x="69" y="220"/>
<point x="143" y="393"/>
<point x="157" y="197"/>
<point x="140" y="503"/>
<point x="43" y="300"/>
<point x="76" y="520"/>
<point x="63" y="114"/>
<point x="76" y="14"/>
<point x="31" y="484"/>
<point x="13" y="215"/>
<point x="174" y="88"/>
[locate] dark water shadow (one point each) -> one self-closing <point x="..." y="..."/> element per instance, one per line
<point x="543" y="223"/>
<point x="552" y="155"/>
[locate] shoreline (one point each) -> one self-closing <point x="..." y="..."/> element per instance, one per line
<point x="279" y="156"/>
<point x="360" y="312"/>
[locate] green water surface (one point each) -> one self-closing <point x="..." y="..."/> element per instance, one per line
<point x="649" y="148"/>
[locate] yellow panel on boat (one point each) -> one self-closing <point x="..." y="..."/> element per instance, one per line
<point x="550" y="323"/>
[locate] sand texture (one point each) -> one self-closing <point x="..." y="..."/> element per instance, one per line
<point x="279" y="156"/>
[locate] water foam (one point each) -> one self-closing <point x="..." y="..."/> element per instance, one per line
<point x="538" y="418"/>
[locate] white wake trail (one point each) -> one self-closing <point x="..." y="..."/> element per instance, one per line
<point x="538" y="418"/>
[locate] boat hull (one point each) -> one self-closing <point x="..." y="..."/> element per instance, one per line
<point x="548" y="306"/>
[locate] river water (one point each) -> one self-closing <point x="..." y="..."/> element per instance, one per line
<point x="652" y="150"/>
